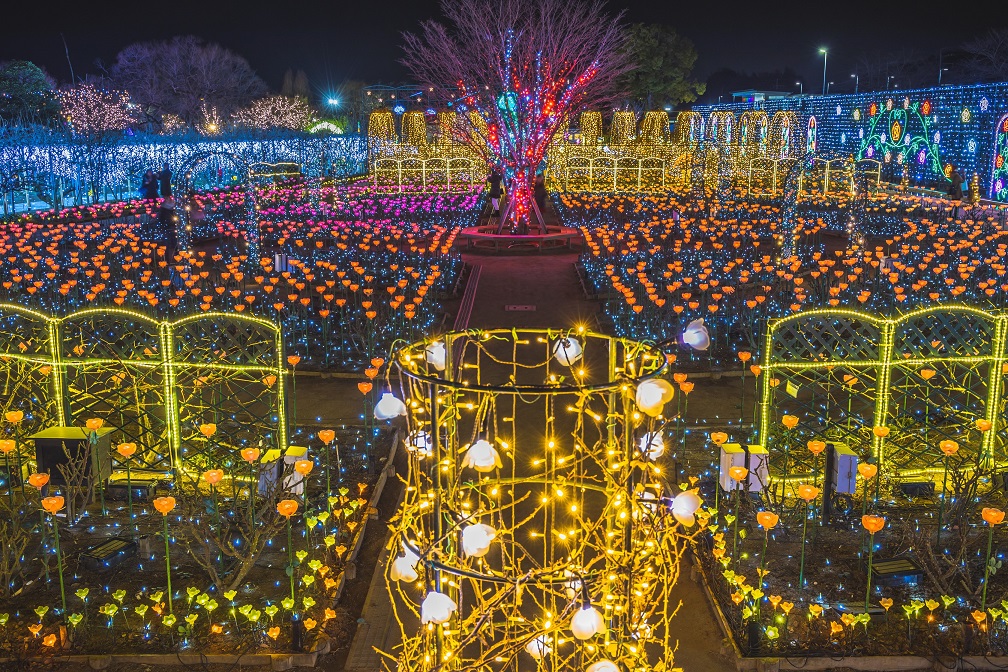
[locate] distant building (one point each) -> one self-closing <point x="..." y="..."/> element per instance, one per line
<point x="755" y="96"/>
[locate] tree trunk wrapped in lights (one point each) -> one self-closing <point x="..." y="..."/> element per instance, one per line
<point x="524" y="68"/>
<point x="538" y="526"/>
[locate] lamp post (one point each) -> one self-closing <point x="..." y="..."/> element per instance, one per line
<point x="828" y="85"/>
<point x="824" y="53"/>
<point x="857" y="81"/>
<point x="889" y="78"/>
<point x="801" y="88"/>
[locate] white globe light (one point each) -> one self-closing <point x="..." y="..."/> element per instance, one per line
<point x="587" y="623"/>
<point x="652" y="445"/>
<point x="684" y="507"/>
<point x="567" y="351"/>
<point x="476" y="539"/>
<point x="420" y="442"/>
<point x="435" y="354"/>
<point x="389" y="407"/>
<point x="652" y="395"/>
<point x="603" y="666"/>
<point x="436" y="608"/>
<point x="539" y="647"/>
<point x="696" y="335"/>
<point x="482" y="457"/>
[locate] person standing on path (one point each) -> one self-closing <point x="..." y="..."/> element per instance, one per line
<point x="164" y="177"/>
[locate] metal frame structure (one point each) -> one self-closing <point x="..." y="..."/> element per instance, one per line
<point x="153" y="381"/>
<point x="926" y="375"/>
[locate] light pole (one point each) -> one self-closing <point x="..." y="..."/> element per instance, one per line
<point x="889" y="79"/>
<point x="829" y="85"/>
<point x="801" y="88"/>
<point x="857" y="80"/>
<point x="824" y="53"/>
<point x="941" y="70"/>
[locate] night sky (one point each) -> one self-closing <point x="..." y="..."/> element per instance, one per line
<point x="354" y="39"/>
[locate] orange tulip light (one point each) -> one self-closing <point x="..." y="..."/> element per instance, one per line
<point x="7" y="445"/>
<point x="867" y="470"/>
<point x="948" y="447"/>
<point x="14" y="417"/>
<point x="303" y="467"/>
<point x="816" y="447"/>
<point x="127" y="450"/>
<point x="94" y="424"/>
<point x="767" y="519"/>
<point x="250" y="455"/>
<point x="38" y="480"/>
<point x="718" y="438"/>
<point x="927" y="374"/>
<point x="880" y="431"/>
<point x="992" y="517"/>
<point x="738" y="474"/>
<point x="326" y="435"/>
<point x="756" y="369"/>
<point x="984" y="425"/>
<point x="364" y="387"/>
<point x="744" y="356"/>
<point x="208" y="429"/>
<point x="293" y="360"/>
<point x="287" y="507"/>
<point x="808" y="492"/>
<point x="213" y="476"/>
<point x="873" y="524"/>
<point x="790" y="421"/>
<point x="53" y="504"/>
<point x="164" y="505"/>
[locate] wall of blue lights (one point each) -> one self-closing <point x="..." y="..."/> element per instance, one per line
<point x="922" y="131"/>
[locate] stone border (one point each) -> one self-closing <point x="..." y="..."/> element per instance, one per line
<point x="860" y="663"/>
<point x="276" y="661"/>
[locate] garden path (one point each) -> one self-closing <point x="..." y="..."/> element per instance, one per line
<point x="549" y="283"/>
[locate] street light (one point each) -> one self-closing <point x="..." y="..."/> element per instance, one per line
<point x="801" y="88"/>
<point x="824" y="53"/>
<point x="939" y="74"/>
<point x="889" y="79"/>
<point x="829" y="85"/>
<point x="333" y="102"/>
<point x="857" y="80"/>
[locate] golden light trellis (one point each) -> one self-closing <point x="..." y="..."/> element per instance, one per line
<point x="537" y="506"/>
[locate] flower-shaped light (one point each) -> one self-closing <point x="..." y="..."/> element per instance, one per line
<point x="164" y="505"/>
<point x="538" y="647"/>
<point x="696" y="335"/>
<point x="587" y="623"/>
<point x="567" y="351"/>
<point x="684" y="507"/>
<point x="435" y="355"/>
<point x="389" y="407"/>
<point x="436" y="608"/>
<point x="652" y="445"/>
<point x="482" y="457"/>
<point x="652" y="395"/>
<point x="476" y="539"/>
<point x="404" y="567"/>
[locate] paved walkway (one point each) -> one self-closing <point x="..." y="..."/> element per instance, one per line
<point x="549" y="283"/>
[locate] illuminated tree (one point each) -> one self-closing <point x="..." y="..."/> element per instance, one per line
<point x="287" y="112"/>
<point x="516" y="71"/>
<point x="93" y="111"/>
